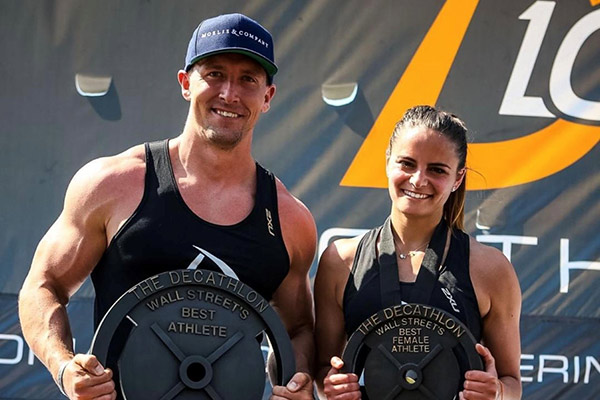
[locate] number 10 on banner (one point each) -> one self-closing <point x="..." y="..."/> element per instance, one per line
<point x="563" y="96"/>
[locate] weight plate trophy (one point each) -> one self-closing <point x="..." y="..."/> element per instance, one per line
<point x="192" y="334"/>
<point x="411" y="351"/>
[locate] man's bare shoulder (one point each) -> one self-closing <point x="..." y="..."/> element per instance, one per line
<point x="289" y="205"/>
<point x="298" y="227"/>
<point x="125" y="162"/>
<point x="292" y="211"/>
<point x="112" y="169"/>
<point x="106" y="179"/>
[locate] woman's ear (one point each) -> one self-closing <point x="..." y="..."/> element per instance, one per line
<point x="460" y="177"/>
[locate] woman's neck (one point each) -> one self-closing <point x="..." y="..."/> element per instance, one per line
<point x="412" y="232"/>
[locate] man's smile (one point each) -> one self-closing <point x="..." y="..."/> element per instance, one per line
<point x="227" y="114"/>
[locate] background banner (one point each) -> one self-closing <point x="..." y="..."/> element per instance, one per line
<point x="523" y="74"/>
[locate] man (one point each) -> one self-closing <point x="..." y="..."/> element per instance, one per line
<point x="160" y="205"/>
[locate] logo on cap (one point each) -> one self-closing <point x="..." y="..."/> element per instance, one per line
<point x="234" y="33"/>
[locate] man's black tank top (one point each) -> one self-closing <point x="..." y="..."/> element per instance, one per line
<point x="453" y="292"/>
<point x="164" y="234"/>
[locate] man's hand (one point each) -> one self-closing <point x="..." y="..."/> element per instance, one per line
<point x="85" y="378"/>
<point x="299" y="387"/>
<point x="340" y="386"/>
<point x="480" y="385"/>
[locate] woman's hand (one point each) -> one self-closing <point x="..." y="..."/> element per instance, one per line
<point x="480" y="385"/>
<point x="339" y="386"/>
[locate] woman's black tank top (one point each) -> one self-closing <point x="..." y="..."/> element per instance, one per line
<point x="453" y="292"/>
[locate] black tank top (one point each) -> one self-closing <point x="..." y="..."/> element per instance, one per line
<point x="164" y="234"/>
<point x="453" y="292"/>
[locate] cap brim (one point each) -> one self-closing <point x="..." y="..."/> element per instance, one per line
<point x="269" y="67"/>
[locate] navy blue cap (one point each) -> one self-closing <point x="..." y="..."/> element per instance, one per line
<point x="232" y="33"/>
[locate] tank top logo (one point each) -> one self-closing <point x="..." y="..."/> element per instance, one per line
<point x="450" y="299"/>
<point x="226" y="269"/>
<point x="269" y="222"/>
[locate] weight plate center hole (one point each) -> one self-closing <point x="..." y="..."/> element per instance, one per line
<point x="411" y="376"/>
<point x="196" y="372"/>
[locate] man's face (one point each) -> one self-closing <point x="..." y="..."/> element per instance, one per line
<point x="228" y="92"/>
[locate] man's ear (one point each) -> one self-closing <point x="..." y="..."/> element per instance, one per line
<point x="270" y="92"/>
<point x="184" y="81"/>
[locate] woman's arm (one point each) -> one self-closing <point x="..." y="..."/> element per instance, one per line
<point x="499" y="298"/>
<point x="330" y="337"/>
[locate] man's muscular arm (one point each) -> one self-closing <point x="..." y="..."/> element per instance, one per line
<point x="293" y="299"/>
<point x="64" y="258"/>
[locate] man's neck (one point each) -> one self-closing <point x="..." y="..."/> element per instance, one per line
<point x="195" y="156"/>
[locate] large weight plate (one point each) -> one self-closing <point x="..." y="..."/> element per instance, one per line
<point x="192" y="334"/>
<point x="411" y="352"/>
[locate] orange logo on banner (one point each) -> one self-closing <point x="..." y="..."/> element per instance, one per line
<point x="501" y="164"/>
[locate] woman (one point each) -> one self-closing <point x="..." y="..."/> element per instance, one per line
<point x="425" y="166"/>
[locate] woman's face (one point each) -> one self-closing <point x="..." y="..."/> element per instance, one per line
<point x="422" y="170"/>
